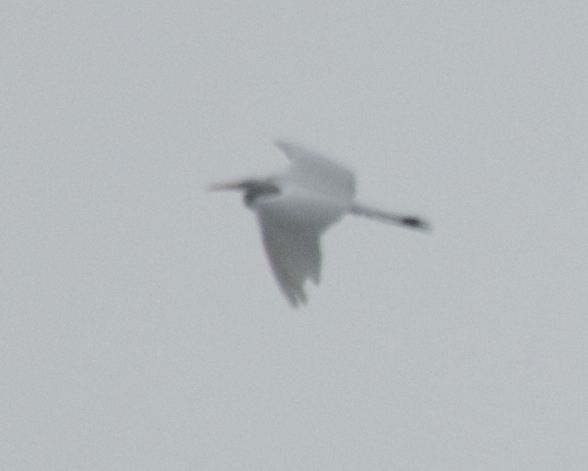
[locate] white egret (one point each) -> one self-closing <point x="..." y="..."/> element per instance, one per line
<point x="296" y="207"/>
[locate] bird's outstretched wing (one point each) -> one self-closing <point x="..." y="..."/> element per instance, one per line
<point x="294" y="256"/>
<point x="315" y="173"/>
<point x="291" y="226"/>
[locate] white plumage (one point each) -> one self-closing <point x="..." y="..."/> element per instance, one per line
<point x="296" y="207"/>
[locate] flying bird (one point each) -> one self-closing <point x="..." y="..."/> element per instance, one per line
<point x="297" y="206"/>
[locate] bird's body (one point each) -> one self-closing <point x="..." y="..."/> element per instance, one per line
<point x="296" y="207"/>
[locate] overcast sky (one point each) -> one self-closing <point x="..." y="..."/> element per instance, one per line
<point x="140" y="325"/>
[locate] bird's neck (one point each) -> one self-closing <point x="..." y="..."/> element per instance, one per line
<point x="257" y="189"/>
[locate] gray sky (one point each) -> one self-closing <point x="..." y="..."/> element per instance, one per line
<point x="141" y="327"/>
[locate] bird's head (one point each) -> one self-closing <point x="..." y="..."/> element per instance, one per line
<point x="253" y="188"/>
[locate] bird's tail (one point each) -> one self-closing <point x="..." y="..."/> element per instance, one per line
<point x="391" y="218"/>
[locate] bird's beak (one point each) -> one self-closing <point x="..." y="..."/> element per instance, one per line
<point x="225" y="186"/>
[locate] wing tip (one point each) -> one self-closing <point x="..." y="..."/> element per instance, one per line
<point x="295" y="296"/>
